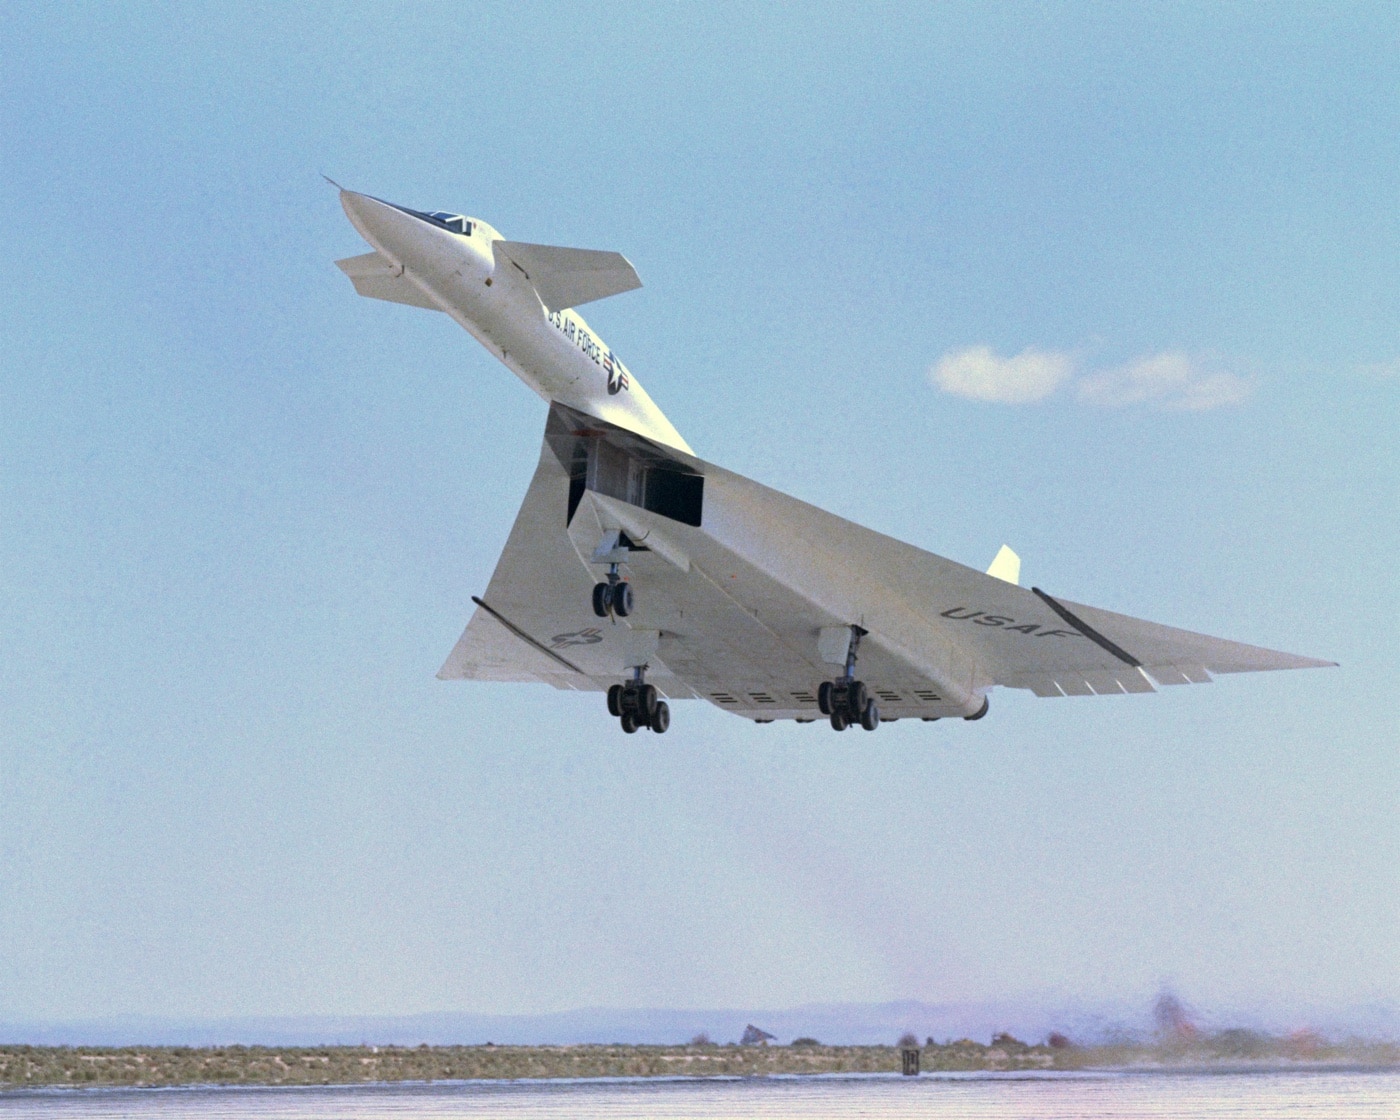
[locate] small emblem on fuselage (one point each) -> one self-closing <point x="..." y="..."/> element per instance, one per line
<point x="617" y="376"/>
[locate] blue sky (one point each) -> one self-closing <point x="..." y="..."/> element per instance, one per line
<point x="1117" y="286"/>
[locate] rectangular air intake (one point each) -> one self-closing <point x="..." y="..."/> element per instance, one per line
<point x="634" y="475"/>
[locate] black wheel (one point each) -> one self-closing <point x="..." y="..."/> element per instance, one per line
<point x="839" y="722"/>
<point x="647" y="700"/>
<point x="870" y="716"/>
<point x="856" y="698"/>
<point x="982" y="711"/>
<point x="629" y="722"/>
<point x="661" y="718"/>
<point x="615" y="700"/>
<point x="602" y="599"/>
<point x="824" y="698"/>
<point x="623" y="600"/>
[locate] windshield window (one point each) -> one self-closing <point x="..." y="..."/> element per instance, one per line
<point x="455" y="222"/>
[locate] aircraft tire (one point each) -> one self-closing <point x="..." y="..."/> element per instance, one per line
<point x="602" y="599"/>
<point x="839" y="722"/>
<point x="615" y="700"/>
<point x="629" y="722"/>
<point x="661" y="718"/>
<point x="980" y="712"/>
<point x="856" y="698"/>
<point x="824" y="698"/>
<point x="623" y="600"/>
<point x="870" y="716"/>
<point x="647" y="700"/>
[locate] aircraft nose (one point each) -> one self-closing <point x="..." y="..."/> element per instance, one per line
<point x="380" y="224"/>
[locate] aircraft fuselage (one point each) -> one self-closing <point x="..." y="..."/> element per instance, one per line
<point x="555" y="353"/>
<point x="636" y="569"/>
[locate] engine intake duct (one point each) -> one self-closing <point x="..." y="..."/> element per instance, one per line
<point x="619" y="464"/>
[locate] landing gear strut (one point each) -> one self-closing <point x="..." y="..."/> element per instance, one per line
<point x="845" y="699"/>
<point x="613" y="596"/>
<point x="636" y="704"/>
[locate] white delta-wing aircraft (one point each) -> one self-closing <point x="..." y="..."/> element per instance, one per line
<point x="636" y="569"/>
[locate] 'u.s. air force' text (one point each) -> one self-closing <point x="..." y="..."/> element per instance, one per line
<point x="595" y="351"/>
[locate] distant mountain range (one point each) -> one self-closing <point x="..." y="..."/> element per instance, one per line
<point x="833" y="1023"/>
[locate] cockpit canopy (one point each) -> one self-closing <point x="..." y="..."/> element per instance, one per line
<point x="443" y="219"/>
<point x="454" y="222"/>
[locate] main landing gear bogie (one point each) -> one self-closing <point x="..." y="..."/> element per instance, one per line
<point x="848" y="703"/>
<point x="636" y="705"/>
<point x="846" y="700"/>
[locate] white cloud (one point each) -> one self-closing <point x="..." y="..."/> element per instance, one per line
<point x="981" y="374"/>
<point x="1170" y="380"/>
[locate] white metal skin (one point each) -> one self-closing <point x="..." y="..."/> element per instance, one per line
<point x="556" y="354"/>
<point x="745" y="606"/>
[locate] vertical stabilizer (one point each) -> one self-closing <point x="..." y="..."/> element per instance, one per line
<point x="1006" y="566"/>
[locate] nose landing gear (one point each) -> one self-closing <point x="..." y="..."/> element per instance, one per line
<point x="636" y="704"/>
<point x="845" y="699"/>
<point x="613" y="596"/>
